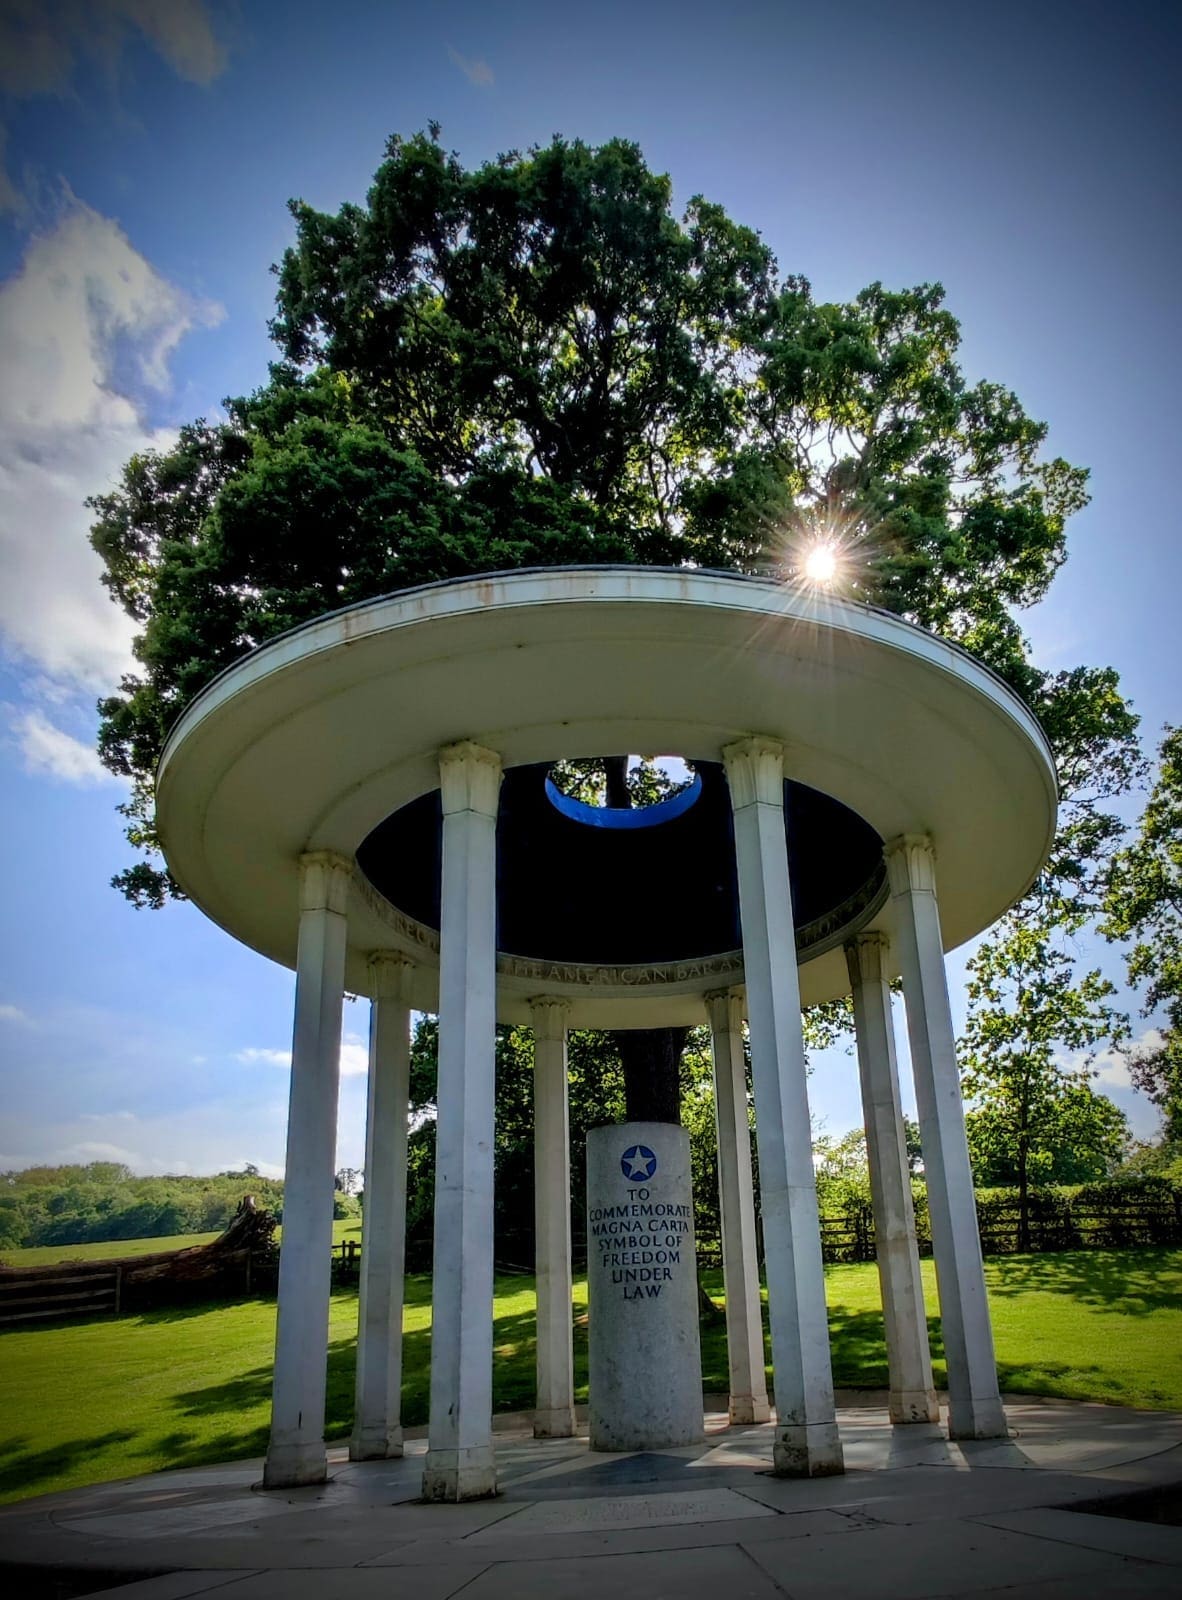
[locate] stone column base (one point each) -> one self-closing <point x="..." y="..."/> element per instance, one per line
<point x="977" y="1419"/>
<point x="460" y="1474"/>
<point x="807" y="1451"/>
<point x="291" y="1466"/>
<point x="376" y="1444"/>
<point x="914" y="1405"/>
<point x="747" y="1408"/>
<point x="556" y="1424"/>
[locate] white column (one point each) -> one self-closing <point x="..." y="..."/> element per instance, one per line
<point x="295" y="1454"/>
<point x="377" y="1422"/>
<point x="460" y="1464"/>
<point x="912" y="1392"/>
<point x="806" y="1439"/>
<point x="975" y="1410"/>
<point x="740" y="1257"/>
<point x="554" y="1417"/>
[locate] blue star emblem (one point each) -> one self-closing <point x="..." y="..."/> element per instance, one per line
<point x="639" y="1162"/>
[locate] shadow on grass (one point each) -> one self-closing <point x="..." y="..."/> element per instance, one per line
<point x="857" y="1348"/>
<point x="513" y="1390"/>
<point x="1132" y="1282"/>
<point x="23" y="1469"/>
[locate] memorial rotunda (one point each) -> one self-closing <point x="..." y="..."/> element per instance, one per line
<point x="367" y="799"/>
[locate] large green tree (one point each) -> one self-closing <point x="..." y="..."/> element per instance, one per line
<point x="536" y="361"/>
<point x="1143" y="902"/>
<point x="1033" y="1025"/>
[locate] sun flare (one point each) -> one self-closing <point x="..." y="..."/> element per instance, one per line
<point x="820" y="565"/>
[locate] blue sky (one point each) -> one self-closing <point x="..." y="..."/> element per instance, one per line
<point x="1025" y="155"/>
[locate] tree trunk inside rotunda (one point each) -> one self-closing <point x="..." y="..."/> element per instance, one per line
<point x="650" y="1057"/>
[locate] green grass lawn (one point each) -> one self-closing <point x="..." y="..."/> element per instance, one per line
<point x="92" y="1401"/>
<point x="48" y="1255"/>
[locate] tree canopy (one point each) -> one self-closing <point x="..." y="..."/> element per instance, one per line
<point x="1033" y="1026"/>
<point x="104" y="1200"/>
<point x="536" y="361"/>
<point x="1143" y="902"/>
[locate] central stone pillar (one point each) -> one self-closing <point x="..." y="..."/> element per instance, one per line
<point x="460" y="1464"/>
<point x="806" y="1440"/>
<point x="645" y="1368"/>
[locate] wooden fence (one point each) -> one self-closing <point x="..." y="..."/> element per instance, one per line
<point x="73" y="1289"/>
<point x="138" y="1283"/>
<point x="240" y="1260"/>
<point x="1055" y="1221"/>
<point x="1094" y="1218"/>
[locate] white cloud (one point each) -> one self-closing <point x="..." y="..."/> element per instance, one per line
<point x="354" y="1056"/>
<point x="197" y="1142"/>
<point x="87" y="329"/>
<point x="1112" y="1066"/>
<point x="13" y="1014"/>
<point x="41" y="40"/>
<point x="181" y="31"/>
<point x="49" y="752"/>
<point x="96" y="1150"/>
<point x="474" y="69"/>
<point x="272" y="1058"/>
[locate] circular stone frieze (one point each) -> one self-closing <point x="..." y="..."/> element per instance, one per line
<point x="326" y="739"/>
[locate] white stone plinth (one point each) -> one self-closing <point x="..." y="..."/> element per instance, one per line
<point x="645" y="1379"/>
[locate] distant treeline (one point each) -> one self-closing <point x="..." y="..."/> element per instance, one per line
<point x="105" y="1200"/>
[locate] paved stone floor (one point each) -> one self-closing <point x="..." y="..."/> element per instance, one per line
<point x="914" y="1516"/>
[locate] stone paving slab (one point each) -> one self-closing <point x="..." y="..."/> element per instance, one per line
<point x="628" y="1541"/>
<point x="1132" y="1582"/>
<point x="669" y="1575"/>
<point x="1148" y="1541"/>
<point x="413" y="1520"/>
<point x="916" y="1518"/>
<point x="346" y="1583"/>
<point x="175" y="1585"/>
<point x="626" y="1511"/>
<point x="165" y="1522"/>
<point x="923" y="1562"/>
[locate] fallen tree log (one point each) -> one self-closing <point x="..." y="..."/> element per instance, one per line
<point x="242" y="1259"/>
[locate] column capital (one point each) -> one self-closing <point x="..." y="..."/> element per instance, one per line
<point x="911" y="864"/>
<point x="469" y="778"/>
<point x="389" y="974"/>
<point x="548" y="1014"/>
<point x="866" y="956"/>
<point x="755" y="771"/>
<point x="325" y="877"/>
<point x="724" y="1009"/>
<point x="733" y="992"/>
